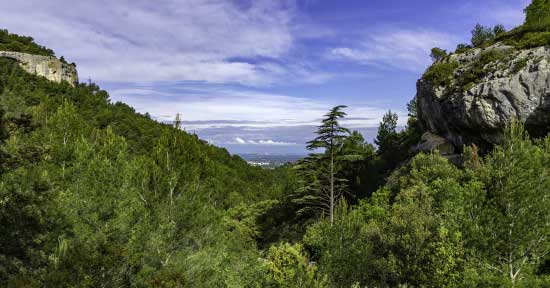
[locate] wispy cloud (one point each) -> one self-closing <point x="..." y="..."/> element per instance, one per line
<point x="134" y="41"/>
<point x="398" y="49"/>
<point x="207" y="106"/>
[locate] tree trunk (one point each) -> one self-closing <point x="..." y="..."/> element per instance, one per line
<point x="331" y="187"/>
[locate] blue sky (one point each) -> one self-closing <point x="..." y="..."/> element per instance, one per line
<point x="256" y="76"/>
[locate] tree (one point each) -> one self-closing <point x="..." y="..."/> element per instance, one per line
<point x="515" y="220"/>
<point x="388" y="140"/>
<point x="438" y="54"/>
<point x="330" y="138"/>
<point x="357" y="167"/>
<point x="481" y="34"/>
<point x="538" y="15"/>
<point x="499" y="30"/>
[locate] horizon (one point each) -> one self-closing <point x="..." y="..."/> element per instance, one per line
<point x="265" y="88"/>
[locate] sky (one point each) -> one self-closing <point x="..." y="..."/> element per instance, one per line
<point x="256" y="76"/>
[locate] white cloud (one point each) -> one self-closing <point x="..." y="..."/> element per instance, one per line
<point x="400" y="49"/>
<point x="138" y="40"/>
<point x="203" y="107"/>
<point x="269" y="142"/>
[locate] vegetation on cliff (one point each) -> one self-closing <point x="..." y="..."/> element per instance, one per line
<point x="25" y="44"/>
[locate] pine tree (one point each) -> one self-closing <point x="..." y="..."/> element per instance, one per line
<point x="330" y="138"/>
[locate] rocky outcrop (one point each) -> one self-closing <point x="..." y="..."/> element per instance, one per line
<point x="50" y="67"/>
<point x="515" y="86"/>
<point x="431" y="142"/>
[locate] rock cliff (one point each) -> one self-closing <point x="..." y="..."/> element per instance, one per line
<point x="50" y="67"/>
<point x="485" y="90"/>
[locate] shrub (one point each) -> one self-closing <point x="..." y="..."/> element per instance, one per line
<point x="461" y="48"/>
<point x="522" y="63"/>
<point x="534" y="39"/>
<point x="438" y="54"/>
<point x="478" y="69"/>
<point x="440" y="74"/>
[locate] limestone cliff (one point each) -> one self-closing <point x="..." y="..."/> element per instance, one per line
<point x="50" y="67"/>
<point x="485" y="90"/>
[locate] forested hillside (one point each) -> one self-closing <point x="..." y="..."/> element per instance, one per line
<point x="93" y="194"/>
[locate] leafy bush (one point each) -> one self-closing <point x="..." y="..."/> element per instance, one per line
<point x="438" y="54"/>
<point x="288" y="267"/>
<point x="461" y="48"/>
<point x="534" y="39"/>
<point x="440" y="74"/>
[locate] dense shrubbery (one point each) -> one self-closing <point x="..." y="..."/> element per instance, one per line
<point x="481" y="226"/>
<point x="93" y="194"/>
<point x="13" y="42"/>
<point x="440" y="74"/>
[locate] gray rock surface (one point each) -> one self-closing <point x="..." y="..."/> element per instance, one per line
<point x="431" y="142"/>
<point x="515" y="88"/>
<point x="50" y="67"/>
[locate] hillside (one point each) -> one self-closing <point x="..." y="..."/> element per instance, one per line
<point x="88" y="186"/>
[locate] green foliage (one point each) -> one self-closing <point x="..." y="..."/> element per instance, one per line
<point x="534" y="39"/>
<point x="93" y="194"/>
<point x="289" y="267"/>
<point x="461" y="48"/>
<point x="481" y="34"/>
<point x="438" y="54"/>
<point x="519" y="65"/>
<point x="440" y="74"/>
<point x="16" y="43"/>
<point x="323" y="188"/>
<point x="537" y="15"/>
<point x="481" y="67"/>
<point x="514" y="218"/>
<point x="482" y="226"/>
<point x="388" y="139"/>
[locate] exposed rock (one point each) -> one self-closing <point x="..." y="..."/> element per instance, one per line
<point x="516" y="87"/>
<point x="431" y="142"/>
<point x="50" y="67"/>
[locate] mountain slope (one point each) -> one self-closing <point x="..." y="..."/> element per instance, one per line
<point x="94" y="194"/>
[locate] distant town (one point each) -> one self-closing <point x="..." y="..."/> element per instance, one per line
<point x="270" y="161"/>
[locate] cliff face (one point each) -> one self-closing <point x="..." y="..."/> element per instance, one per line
<point x="50" y="67"/>
<point x="487" y="89"/>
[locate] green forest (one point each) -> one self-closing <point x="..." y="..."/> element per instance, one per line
<point x="93" y="194"/>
